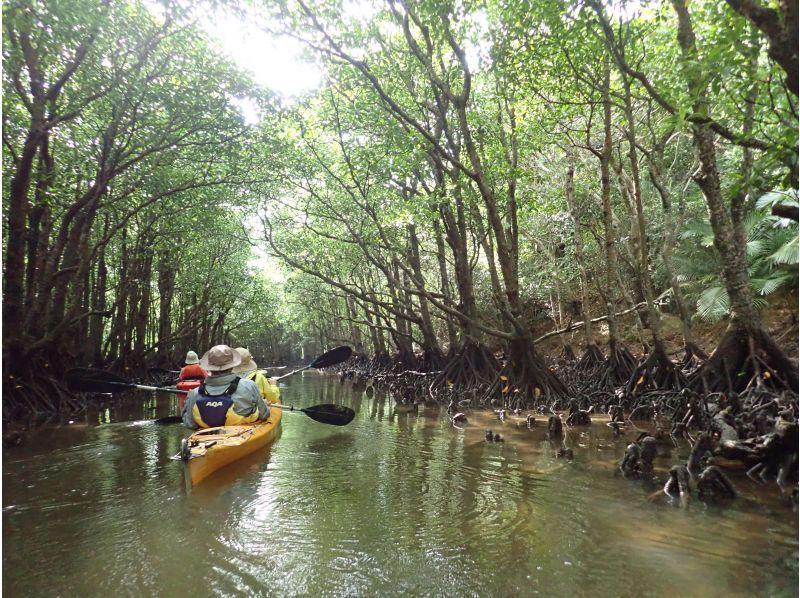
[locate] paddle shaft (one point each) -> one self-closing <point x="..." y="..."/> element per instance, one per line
<point x="162" y="388"/>
<point x="285" y="407"/>
<point x="143" y="387"/>
<point x="90" y="380"/>
<point x="329" y="358"/>
<point x="293" y="373"/>
<point x="178" y="419"/>
<point x="320" y="413"/>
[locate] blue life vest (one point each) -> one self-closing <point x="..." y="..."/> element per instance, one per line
<point x="213" y="410"/>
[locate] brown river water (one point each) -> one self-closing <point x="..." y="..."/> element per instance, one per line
<point x="394" y="504"/>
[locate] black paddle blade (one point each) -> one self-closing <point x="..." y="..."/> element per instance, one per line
<point x="94" y="380"/>
<point x="332" y="357"/>
<point x="171" y="419"/>
<point x="335" y="415"/>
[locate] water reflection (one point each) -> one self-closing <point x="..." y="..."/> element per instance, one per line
<point x="395" y="503"/>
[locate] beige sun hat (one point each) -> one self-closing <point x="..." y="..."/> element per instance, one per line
<point x="247" y="365"/>
<point x="191" y="358"/>
<point x="219" y="358"/>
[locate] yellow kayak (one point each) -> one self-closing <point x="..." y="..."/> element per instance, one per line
<point x="210" y="449"/>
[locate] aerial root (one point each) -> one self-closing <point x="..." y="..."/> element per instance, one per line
<point x="658" y="372"/>
<point x="591" y="358"/>
<point x="619" y="366"/>
<point x="745" y="358"/>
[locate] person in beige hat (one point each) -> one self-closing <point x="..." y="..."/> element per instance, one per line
<point x="192" y="369"/>
<point x="268" y="387"/>
<point x="224" y="399"/>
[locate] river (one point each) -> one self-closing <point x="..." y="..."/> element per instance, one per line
<point x="392" y="504"/>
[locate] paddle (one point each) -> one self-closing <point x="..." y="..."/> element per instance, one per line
<point x="94" y="380"/>
<point x="334" y="415"/>
<point x="332" y="357"/>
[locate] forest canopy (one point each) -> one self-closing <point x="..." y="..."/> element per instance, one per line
<point x="468" y="179"/>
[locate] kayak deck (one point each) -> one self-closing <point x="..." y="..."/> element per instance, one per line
<point x="210" y="449"/>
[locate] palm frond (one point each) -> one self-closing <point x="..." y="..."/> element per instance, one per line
<point x="773" y="283"/>
<point x="713" y="304"/>
<point x="756" y="225"/>
<point x="772" y="246"/>
<point x="787" y="253"/>
<point x="700" y="231"/>
<point x="756" y="248"/>
<point x="788" y="197"/>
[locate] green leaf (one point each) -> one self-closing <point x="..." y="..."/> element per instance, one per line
<point x="772" y="198"/>
<point x="787" y="254"/>
<point x="713" y="304"/>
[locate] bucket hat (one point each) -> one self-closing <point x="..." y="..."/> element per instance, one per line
<point x="219" y="358"/>
<point x="247" y="365"/>
<point x="191" y="358"/>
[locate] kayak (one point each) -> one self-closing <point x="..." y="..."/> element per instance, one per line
<point x="210" y="449"/>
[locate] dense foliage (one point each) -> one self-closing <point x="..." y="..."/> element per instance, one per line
<point x="468" y="175"/>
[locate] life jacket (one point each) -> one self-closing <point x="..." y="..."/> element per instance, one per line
<point x="188" y="384"/>
<point x="192" y="372"/>
<point x="212" y="411"/>
<point x="270" y="396"/>
<point x="252" y="375"/>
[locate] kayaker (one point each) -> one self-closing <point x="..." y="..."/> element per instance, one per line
<point x="268" y="387"/>
<point x="192" y="369"/>
<point x="224" y="399"/>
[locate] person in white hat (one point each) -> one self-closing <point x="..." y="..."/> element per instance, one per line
<point x="268" y="387"/>
<point x="224" y="399"/>
<point x="192" y="369"/>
